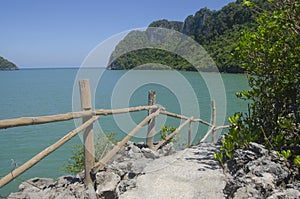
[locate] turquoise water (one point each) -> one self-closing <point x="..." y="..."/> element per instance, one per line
<point x="38" y="92"/>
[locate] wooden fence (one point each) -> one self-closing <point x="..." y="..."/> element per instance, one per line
<point x="89" y="116"/>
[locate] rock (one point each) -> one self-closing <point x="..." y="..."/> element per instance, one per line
<point x="36" y="183"/>
<point x="239" y="159"/>
<point x="266" y="165"/>
<point x="135" y="155"/>
<point x="126" y="185"/>
<point x="106" y="183"/>
<point x="168" y="149"/>
<point x="287" y="194"/>
<point x="185" y="174"/>
<point x="64" y="187"/>
<point x="258" y="149"/>
<point x="66" y="180"/>
<point x="90" y="192"/>
<point x="118" y="176"/>
<point x="257" y="173"/>
<point x="148" y="153"/>
<point x="139" y="165"/>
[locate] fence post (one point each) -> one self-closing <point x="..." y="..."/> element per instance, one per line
<point x="190" y="133"/>
<point x="214" y="118"/>
<point x="151" y="123"/>
<point x="88" y="136"/>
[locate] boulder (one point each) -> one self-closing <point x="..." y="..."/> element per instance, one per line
<point x="255" y="172"/>
<point x="148" y="153"/>
<point x="106" y="183"/>
<point x="287" y="194"/>
<point x="64" y="187"/>
<point x="36" y="183"/>
<point x="166" y="150"/>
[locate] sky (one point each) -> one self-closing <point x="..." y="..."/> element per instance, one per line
<point x="61" y="33"/>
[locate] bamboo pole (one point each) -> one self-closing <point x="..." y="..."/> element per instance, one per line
<point x="202" y="122"/>
<point x="185" y="117"/>
<point x="207" y="134"/>
<point x="25" y="121"/>
<point x="151" y="123"/>
<point x="213" y="128"/>
<point x="160" y="143"/>
<point x="30" y="163"/>
<point x="214" y="120"/>
<point x="88" y="136"/>
<point x="98" y="166"/>
<point x="124" y="110"/>
<point x="221" y="127"/>
<point x="190" y="133"/>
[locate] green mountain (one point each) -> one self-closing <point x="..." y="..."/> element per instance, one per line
<point x="7" y="65"/>
<point x="217" y="32"/>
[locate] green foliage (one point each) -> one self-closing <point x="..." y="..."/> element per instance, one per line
<point x="241" y="133"/>
<point x="154" y="58"/>
<point x="219" y="157"/>
<point x="165" y="131"/>
<point x="270" y="55"/>
<point x="286" y="154"/>
<point x="7" y="65"/>
<point x="248" y="3"/>
<point x="76" y="162"/>
<point x="297" y="160"/>
<point x="103" y="144"/>
<point x="216" y="31"/>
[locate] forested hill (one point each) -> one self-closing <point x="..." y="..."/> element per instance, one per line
<point x="217" y="31"/>
<point x="7" y="65"/>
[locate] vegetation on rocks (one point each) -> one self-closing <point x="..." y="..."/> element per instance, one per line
<point x="75" y="163"/>
<point x="270" y="55"/>
<point x="165" y="131"/>
<point x="217" y="31"/>
<point x="7" y="65"/>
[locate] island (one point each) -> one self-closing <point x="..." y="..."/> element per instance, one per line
<point x="7" y="65"/>
<point x="217" y="31"/>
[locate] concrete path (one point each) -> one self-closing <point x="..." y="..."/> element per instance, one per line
<point x="191" y="173"/>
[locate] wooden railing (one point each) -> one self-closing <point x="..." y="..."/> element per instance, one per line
<point x="89" y="116"/>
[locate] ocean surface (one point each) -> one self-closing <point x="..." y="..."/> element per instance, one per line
<point x="37" y="92"/>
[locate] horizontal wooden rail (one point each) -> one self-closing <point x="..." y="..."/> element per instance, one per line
<point x="221" y="127"/>
<point x="98" y="166"/>
<point x="185" y="117"/>
<point x="25" y="121"/>
<point x="30" y="163"/>
<point x="156" y="147"/>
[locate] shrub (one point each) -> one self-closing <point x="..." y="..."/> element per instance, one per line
<point x="103" y="143"/>
<point x="270" y="55"/>
<point x="165" y="131"/>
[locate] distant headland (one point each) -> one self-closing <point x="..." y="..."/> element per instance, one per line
<point x="7" y="65"/>
<point x="216" y="31"/>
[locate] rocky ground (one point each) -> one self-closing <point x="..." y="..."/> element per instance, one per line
<point x="190" y="173"/>
<point x="118" y="176"/>
<point x="138" y="172"/>
<point x="258" y="173"/>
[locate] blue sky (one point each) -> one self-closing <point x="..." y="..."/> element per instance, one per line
<point x="61" y="33"/>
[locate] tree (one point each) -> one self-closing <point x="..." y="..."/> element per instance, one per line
<point x="271" y="56"/>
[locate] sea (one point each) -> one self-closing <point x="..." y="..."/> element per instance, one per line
<point x="39" y="92"/>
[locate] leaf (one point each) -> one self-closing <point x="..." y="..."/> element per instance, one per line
<point x="234" y="119"/>
<point x="286" y="154"/>
<point x="248" y="3"/>
<point x="297" y="160"/>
